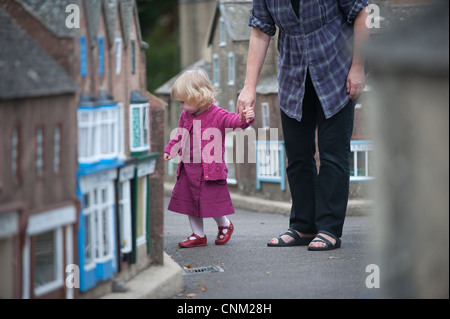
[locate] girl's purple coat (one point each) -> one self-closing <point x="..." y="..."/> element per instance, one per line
<point x="201" y="189"/>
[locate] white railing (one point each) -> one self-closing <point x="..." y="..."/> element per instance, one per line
<point x="270" y="166"/>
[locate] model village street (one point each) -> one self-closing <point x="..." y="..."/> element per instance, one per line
<point x="246" y="268"/>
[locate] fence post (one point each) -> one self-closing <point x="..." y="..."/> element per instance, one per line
<point x="410" y="123"/>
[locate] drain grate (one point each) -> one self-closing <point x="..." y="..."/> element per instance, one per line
<point x="202" y="270"/>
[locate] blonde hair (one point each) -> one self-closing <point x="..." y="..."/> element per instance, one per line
<point x="194" y="88"/>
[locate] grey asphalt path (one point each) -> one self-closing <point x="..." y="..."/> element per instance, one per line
<point x="252" y="270"/>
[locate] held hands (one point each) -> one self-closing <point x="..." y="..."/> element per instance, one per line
<point x="246" y="100"/>
<point x="249" y="114"/>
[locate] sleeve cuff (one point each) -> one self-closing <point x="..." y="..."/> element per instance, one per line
<point x="356" y="9"/>
<point x="254" y="22"/>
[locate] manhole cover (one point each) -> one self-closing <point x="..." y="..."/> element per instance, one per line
<point x="202" y="270"/>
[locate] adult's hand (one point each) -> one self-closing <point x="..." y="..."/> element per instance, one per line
<point x="356" y="80"/>
<point x="246" y="101"/>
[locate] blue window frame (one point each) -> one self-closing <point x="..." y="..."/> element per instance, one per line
<point x="83" y="57"/>
<point x="101" y="56"/>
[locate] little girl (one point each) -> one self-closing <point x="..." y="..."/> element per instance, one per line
<point x="201" y="189"/>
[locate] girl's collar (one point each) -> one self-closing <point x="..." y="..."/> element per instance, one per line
<point x="203" y="112"/>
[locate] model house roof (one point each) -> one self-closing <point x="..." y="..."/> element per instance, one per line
<point x="53" y="15"/>
<point x="235" y="13"/>
<point x="26" y="70"/>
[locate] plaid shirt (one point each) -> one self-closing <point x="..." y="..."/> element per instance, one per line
<point x="320" y="40"/>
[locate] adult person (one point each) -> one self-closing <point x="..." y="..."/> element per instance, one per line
<point x="321" y="73"/>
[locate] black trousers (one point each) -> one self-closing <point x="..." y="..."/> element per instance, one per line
<point x="319" y="198"/>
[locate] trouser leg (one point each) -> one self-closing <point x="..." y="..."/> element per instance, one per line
<point x="334" y="136"/>
<point x="301" y="171"/>
<point x="319" y="200"/>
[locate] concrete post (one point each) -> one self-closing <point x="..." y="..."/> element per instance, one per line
<point x="410" y="123"/>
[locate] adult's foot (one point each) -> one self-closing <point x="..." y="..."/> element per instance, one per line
<point x="318" y="242"/>
<point x="288" y="238"/>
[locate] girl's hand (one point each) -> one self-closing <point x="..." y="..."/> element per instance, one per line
<point x="167" y="157"/>
<point x="249" y="114"/>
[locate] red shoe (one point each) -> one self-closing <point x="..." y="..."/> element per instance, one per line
<point x="197" y="242"/>
<point x="222" y="238"/>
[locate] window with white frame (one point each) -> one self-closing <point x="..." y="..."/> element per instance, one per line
<point x="87" y="139"/>
<point x="361" y="160"/>
<point x="265" y="115"/>
<point x="121" y="131"/>
<point x="48" y="256"/>
<point x="89" y="211"/>
<point x="141" y="222"/>
<point x="98" y="134"/>
<point x="98" y="236"/>
<point x="118" y="48"/>
<point x="139" y="126"/>
<point x="43" y="250"/>
<point x="57" y="149"/>
<point x="230" y="68"/>
<point x="104" y="225"/>
<point x="216" y="75"/>
<point x="109" y="132"/>
<point x="40" y="151"/>
<point x="223" y="32"/>
<point x="124" y="216"/>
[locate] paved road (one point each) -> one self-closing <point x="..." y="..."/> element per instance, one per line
<point x="252" y="270"/>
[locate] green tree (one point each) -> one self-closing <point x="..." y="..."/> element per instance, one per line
<point x="159" y="25"/>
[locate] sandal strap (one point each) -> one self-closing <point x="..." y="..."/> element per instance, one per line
<point x="280" y="240"/>
<point x="293" y="233"/>
<point x="298" y="240"/>
<point x="329" y="234"/>
<point x="323" y="240"/>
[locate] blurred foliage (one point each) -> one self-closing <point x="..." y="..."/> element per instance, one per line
<point x="159" y="25"/>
